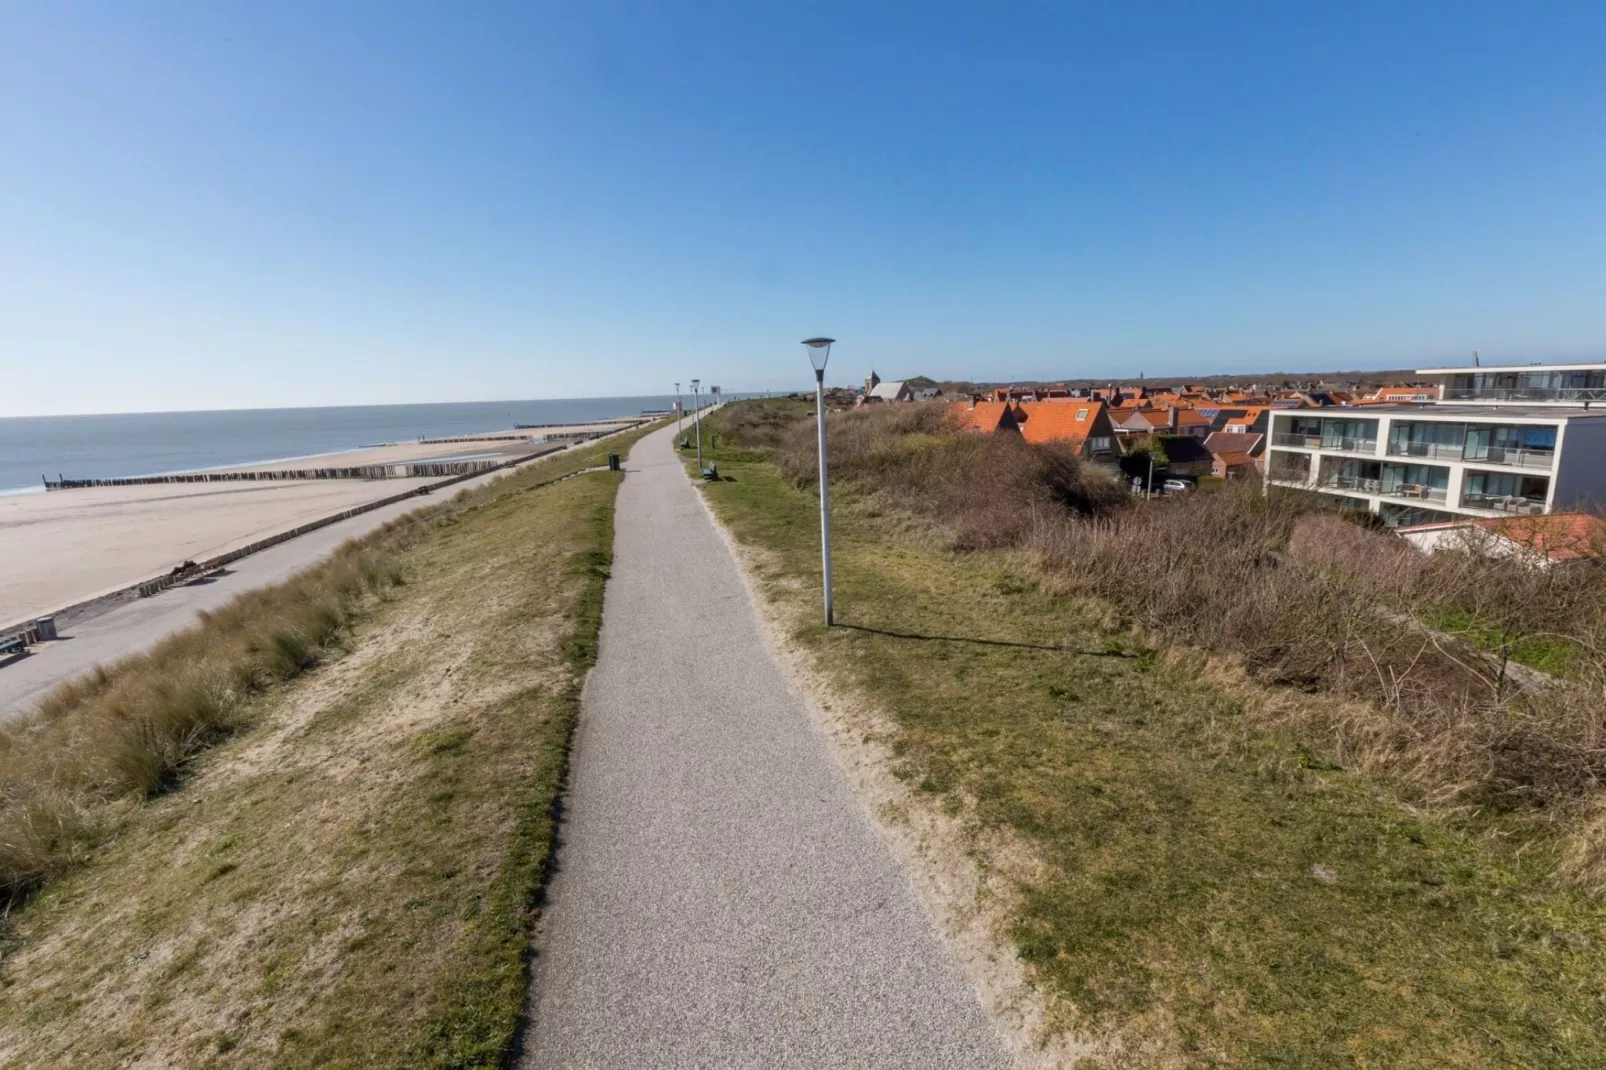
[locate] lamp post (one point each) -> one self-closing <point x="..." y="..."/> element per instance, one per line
<point x="677" y="411"/>
<point x="820" y="352"/>
<point x="697" y="420"/>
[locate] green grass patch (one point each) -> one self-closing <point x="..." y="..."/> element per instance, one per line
<point x="1553" y="655"/>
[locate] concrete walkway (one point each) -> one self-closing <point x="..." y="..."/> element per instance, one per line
<point x="722" y="898"/>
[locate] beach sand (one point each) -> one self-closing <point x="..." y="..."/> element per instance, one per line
<point x="60" y="548"/>
<point x="64" y="547"/>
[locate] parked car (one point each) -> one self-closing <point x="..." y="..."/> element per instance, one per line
<point x="1175" y="486"/>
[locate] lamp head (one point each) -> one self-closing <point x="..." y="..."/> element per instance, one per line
<point x="819" y="351"/>
<point x="694" y="383"/>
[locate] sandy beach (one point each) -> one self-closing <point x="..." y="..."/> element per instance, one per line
<point x="488" y="446"/>
<point x="63" y="547"/>
<point x="66" y="546"/>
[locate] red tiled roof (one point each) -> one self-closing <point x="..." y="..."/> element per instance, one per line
<point x="1559" y="536"/>
<point x="983" y="418"/>
<point x="1055" y="421"/>
<point x="1220" y="442"/>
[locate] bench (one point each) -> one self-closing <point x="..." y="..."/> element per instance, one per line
<point x="711" y="473"/>
<point x="13" y="644"/>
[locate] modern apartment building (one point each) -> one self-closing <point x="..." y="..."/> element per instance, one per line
<point x="1416" y="464"/>
<point x="1528" y="384"/>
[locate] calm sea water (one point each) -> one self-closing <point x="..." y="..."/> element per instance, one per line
<point x="137" y="444"/>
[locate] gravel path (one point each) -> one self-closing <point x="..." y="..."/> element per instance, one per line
<point x="722" y="898"/>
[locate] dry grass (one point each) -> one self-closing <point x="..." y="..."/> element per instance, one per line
<point x="1300" y="596"/>
<point x="349" y="875"/>
<point x="1311" y="600"/>
<point x="126" y="730"/>
<point x="1218" y="878"/>
<point x="983" y="490"/>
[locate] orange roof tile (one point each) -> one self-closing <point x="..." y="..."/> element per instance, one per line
<point x="1559" y="536"/>
<point x="1055" y="421"/>
<point x="983" y="418"/>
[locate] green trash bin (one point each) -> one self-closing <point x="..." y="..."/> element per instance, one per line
<point x="613" y="462"/>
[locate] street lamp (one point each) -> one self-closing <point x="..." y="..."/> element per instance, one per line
<point x="697" y="420"/>
<point x="677" y="411"/>
<point x="820" y="352"/>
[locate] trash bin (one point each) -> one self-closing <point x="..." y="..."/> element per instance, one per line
<point x="46" y="627"/>
<point x="613" y="462"/>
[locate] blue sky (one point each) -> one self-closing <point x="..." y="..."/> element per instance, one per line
<point x="226" y="205"/>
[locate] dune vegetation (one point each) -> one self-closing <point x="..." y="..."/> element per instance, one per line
<point x="313" y="830"/>
<point x="1270" y="787"/>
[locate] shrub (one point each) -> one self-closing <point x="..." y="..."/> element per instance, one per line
<point x="1307" y="598"/>
<point x="981" y="490"/>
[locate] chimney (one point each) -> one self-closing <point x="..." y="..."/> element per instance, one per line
<point x="1171" y="415"/>
<point x="973" y="403"/>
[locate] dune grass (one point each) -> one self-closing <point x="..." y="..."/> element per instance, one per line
<point x="347" y="870"/>
<point x="1208" y="884"/>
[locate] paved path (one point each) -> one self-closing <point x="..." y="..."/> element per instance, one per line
<point x="138" y="625"/>
<point x="722" y="898"/>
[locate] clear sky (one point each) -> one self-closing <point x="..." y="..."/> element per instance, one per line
<point x="254" y="204"/>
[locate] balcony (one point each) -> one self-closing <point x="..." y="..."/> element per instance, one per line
<point x="1417" y="492"/>
<point x="1503" y="503"/>
<point x="1573" y="394"/>
<point x="1363" y="484"/>
<point x="1521" y="458"/>
<point x="1502" y="455"/>
<point x="1443" y="451"/>
<point x="1319" y="442"/>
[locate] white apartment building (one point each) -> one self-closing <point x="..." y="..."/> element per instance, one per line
<point x="1416" y="464"/>
<point x="1527" y="384"/>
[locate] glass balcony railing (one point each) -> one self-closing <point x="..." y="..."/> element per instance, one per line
<point x="1502" y="455"/>
<point x="1417" y="492"/>
<point x="1576" y="394"/>
<point x="1523" y="458"/>
<point x="1504" y="503"/>
<point x="1360" y="483"/>
<point x="1440" y="450"/>
<point x="1321" y="442"/>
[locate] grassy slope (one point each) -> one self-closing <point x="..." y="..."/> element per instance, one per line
<point x="1209" y="893"/>
<point x="351" y="882"/>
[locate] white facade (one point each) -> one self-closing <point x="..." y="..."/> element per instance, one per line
<point x="1420" y="463"/>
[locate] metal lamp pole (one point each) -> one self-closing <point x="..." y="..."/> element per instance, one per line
<point x="677" y="411"/>
<point x="819" y="353"/>
<point x="697" y="420"/>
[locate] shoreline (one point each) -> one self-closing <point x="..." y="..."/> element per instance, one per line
<point x="511" y="435"/>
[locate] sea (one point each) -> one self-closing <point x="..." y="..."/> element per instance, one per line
<point x="153" y="443"/>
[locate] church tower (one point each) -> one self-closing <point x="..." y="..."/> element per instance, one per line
<point x="871" y="383"/>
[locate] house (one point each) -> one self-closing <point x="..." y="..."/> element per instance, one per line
<point x="1548" y="541"/>
<point x="984" y="417"/>
<point x="1141" y="422"/>
<point x="1235" y="455"/>
<point x="1081" y="424"/>
<point x="898" y="391"/>
<point x="928" y="393"/>
<point x="1434" y="462"/>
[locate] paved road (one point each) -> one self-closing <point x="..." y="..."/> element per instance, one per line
<point x="722" y="899"/>
<point x="138" y="625"/>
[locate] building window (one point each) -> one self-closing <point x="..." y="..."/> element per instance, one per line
<point x="1101" y="444"/>
<point x="1081" y="414"/>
